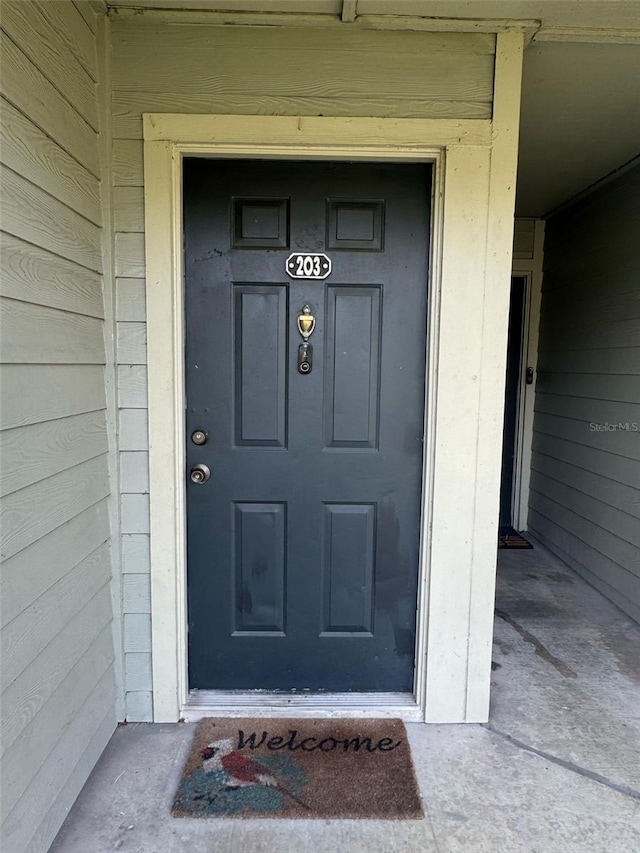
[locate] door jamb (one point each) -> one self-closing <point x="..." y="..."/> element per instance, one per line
<point x="197" y="703"/>
<point x="531" y="269"/>
<point x="521" y="399"/>
<point x="200" y="703"/>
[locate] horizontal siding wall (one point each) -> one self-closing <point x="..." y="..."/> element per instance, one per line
<point x="291" y="71"/>
<point x="57" y="677"/>
<point x="585" y="479"/>
<point x="524" y="239"/>
<point x="244" y="70"/>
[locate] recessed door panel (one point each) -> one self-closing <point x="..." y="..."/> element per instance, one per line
<point x="349" y="568"/>
<point x="352" y="366"/>
<point x="259" y="558"/>
<point x="259" y="366"/>
<point x="303" y="543"/>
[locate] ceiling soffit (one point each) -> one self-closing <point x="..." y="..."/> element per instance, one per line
<point x="596" y="20"/>
<point x="579" y="101"/>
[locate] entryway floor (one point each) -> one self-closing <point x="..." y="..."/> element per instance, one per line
<point x="556" y="770"/>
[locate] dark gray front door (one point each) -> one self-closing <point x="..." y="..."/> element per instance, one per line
<point x="303" y="544"/>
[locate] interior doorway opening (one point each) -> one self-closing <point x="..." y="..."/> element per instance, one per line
<point x="518" y="374"/>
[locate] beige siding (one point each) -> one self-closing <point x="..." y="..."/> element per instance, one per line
<point x="57" y="680"/>
<point x="289" y="71"/>
<point x="244" y="70"/>
<point x="584" y="502"/>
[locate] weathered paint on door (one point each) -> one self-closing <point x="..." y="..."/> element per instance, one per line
<point x="303" y="544"/>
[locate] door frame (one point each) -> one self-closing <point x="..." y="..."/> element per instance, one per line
<point x="471" y="242"/>
<point x="520" y="395"/>
<point x="531" y="269"/>
<point x="194" y="705"/>
<point x="417" y="184"/>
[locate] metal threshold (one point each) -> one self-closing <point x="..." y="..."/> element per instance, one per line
<point x="264" y="703"/>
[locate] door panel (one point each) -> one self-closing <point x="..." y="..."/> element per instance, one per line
<point x="260" y="365"/>
<point x="352" y="366"/>
<point x="259" y="548"/>
<point x="303" y="545"/>
<point x="349" y="566"/>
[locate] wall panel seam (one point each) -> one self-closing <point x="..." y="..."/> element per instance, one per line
<point x="42" y="130"/>
<point x="573" y="442"/>
<point x="568" y="373"/>
<point x="51" y="83"/>
<point x="59" y="201"/>
<point x="586" y="495"/>
<point x="68" y="311"/>
<point x="573" y="465"/>
<point x="82" y="17"/>
<point x="62" y="417"/>
<point x="65" y="470"/>
<point x="574" y="561"/>
<point x="586" y="545"/>
<point x="57" y="472"/>
<point x="569" y="417"/>
<point x="49" y="251"/>
<point x="34" y="56"/>
<point x="66" y="521"/>
<point x="93" y="74"/>
<point x="567" y="396"/>
<point x="84" y="697"/>
<point x="71" y="773"/>
<point x="56" y="581"/>
<point x="95" y="643"/>
<point x="53" y="636"/>
<point x="588" y="521"/>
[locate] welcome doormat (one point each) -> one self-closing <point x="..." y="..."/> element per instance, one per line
<point x="299" y="769"/>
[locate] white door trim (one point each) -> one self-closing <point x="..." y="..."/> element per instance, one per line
<point x="521" y="402"/>
<point x="467" y="326"/>
<point x="165" y="334"/>
<point x="531" y="268"/>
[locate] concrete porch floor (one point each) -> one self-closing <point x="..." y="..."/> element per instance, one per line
<point x="556" y="770"/>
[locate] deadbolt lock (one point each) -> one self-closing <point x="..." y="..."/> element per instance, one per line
<point x="200" y="474"/>
<point x="200" y="436"/>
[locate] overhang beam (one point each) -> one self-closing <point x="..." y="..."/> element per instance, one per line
<point x="349" y="11"/>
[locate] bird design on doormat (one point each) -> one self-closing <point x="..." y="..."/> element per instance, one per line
<point x="241" y="770"/>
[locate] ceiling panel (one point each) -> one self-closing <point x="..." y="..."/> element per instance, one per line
<point x="580" y="101"/>
<point x="553" y="13"/>
<point x="580" y="119"/>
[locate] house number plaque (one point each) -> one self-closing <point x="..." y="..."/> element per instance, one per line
<point x="309" y="265"/>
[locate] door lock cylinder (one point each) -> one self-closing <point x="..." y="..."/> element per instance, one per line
<point x="199" y="474"/>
